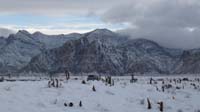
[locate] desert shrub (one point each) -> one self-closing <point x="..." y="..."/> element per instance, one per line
<point x="80" y="104"/>
<point x="93" y="89"/>
<point x="163" y="89"/>
<point x="150" y="81"/>
<point x="168" y="86"/>
<point x="148" y="104"/>
<point x="1" y="79"/>
<point x="185" y="79"/>
<point x="71" y="104"/>
<point x="133" y="79"/>
<point x="160" y="106"/>
<point x="83" y="82"/>
<point x="157" y="88"/>
<point x="65" y="104"/>
<point x="67" y="74"/>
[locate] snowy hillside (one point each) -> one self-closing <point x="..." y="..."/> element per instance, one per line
<point x="18" y="49"/>
<point x="36" y="96"/>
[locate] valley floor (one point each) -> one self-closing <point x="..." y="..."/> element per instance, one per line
<point x="36" y="96"/>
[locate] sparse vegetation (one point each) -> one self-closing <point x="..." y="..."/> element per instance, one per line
<point x="119" y="89"/>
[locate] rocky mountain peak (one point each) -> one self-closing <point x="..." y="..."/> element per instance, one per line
<point x="37" y="33"/>
<point x="23" y="32"/>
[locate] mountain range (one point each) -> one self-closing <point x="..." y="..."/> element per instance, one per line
<point x="101" y="51"/>
<point x="18" y="49"/>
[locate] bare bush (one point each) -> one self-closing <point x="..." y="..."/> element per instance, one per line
<point x="1" y="79"/>
<point x="71" y="104"/>
<point x="83" y="82"/>
<point x="160" y="106"/>
<point x="80" y="104"/>
<point x="148" y="104"/>
<point x="93" y="89"/>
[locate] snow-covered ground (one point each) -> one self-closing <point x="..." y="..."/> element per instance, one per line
<point x="36" y="96"/>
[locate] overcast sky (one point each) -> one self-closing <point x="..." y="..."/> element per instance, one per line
<point x="171" y="23"/>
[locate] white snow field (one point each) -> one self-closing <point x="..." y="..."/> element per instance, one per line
<point x="36" y="96"/>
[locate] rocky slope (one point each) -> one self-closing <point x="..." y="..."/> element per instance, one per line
<point x="17" y="50"/>
<point x="106" y="52"/>
<point x="189" y="62"/>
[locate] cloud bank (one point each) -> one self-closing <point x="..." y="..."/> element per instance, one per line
<point x="5" y="32"/>
<point x="171" y="23"/>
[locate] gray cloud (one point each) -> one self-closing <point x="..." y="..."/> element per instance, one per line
<point x="55" y="7"/>
<point x="5" y="32"/>
<point x="172" y="23"/>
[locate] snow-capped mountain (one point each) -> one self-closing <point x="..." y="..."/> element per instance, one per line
<point x="106" y="52"/>
<point x="101" y="51"/>
<point x="17" y="50"/>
